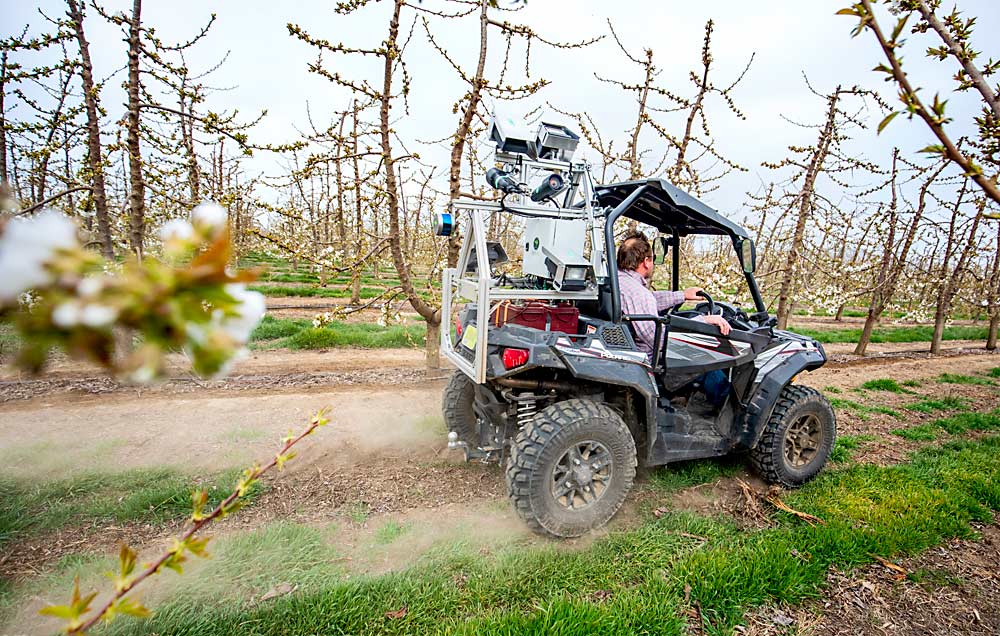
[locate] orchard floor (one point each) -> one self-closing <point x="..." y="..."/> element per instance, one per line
<point x="380" y="482"/>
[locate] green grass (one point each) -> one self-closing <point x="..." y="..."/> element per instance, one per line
<point x="138" y="495"/>
<point x="358" y="512"/>
<point x="9" y="340"/>
<point x="693" y="473"/>
<point x="644" y="574"/>
<point x="894" y="334"/>
<point x="363" y="335"/>
<point x="844" y="447"/>
<point x="831" y="389"/>
<point x="863" y="411"/>
<point x="921" y="433"/>
<point x="271" y="328"/>
<point x="314" y="292"/>
<point x="931" y="405"/>
<point x="994" y="372"/>
<point x="965" y="422"/>
<point x="390" y="531"/>
<point x="911" y="383"/>
<point x="883" y="384"/>
<point x="953" y="425"/>
<point x="300" y="334"/>
<point x="958" y="378"/>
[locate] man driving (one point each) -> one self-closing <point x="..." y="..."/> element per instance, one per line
<point x="635" y="270"/>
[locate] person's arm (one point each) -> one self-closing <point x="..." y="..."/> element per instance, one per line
<point x="667" y="299"/>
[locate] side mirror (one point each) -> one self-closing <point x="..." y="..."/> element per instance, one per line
<point x="748" y="256"/>
<point x="661" y="245"/>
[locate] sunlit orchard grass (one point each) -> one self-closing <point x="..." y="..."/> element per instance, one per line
<point x="300" y="334"/>
<point x="148" y="495"/>
<point x="636" y="579"/>
<point x="920" y="333"/>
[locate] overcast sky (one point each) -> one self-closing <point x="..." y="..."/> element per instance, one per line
<point x="267" y="68"/>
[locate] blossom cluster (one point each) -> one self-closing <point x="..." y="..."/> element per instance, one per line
<point x="189" y="301"/>
<point x="323" y="319"/>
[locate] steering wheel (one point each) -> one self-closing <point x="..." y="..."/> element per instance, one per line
<point x="669" y="311"/>
<point x="711" y="304"/>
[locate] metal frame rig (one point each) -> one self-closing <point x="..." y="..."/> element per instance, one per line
<point x="472" y="278"/>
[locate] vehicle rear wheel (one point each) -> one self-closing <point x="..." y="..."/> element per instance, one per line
<point x="797" y="439"/>
<point x="570" y="468"/>
<point x="456" y="405"/>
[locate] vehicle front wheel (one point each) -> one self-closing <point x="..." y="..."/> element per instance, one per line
<point x="797" y="438"/>
<point x="570" y="467"/>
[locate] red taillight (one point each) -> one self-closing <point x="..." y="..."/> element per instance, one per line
<point x="458" y="327"/>
<point x="514" y="357"/>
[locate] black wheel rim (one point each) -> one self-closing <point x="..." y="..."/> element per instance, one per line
<point x="582" y="475"/>
<point x="803" y="440"/>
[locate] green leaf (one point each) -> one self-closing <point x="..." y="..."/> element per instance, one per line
<point x="885" y="122"/>
<point x="59" y="611"/>
<point x="131" y="608"/>
<point x="847" y="11"/>
<point x="899" y="27"/>
<point x="936" y="149"/>
<point x="198" y="500"/>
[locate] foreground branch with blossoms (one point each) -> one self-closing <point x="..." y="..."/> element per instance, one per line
<point x="78" y="615"/>
<point x="126" y="317"/>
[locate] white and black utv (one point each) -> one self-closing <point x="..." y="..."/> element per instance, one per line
<point x="550" y="380"/>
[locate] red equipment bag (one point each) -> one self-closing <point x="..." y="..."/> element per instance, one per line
<point x="562" y="317"/>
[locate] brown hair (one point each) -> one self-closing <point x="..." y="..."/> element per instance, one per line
<point x="633" y="250"/>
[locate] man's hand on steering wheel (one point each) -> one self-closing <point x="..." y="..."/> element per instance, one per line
<point x="693" y="293"/>
<point x="718" y="321"/>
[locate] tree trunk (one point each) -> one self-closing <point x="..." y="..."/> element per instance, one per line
<point x="991" y="337"/>
<point x="805" y="201"/>
<point x="950" y="284"/>
<point x="95" y="156"/>
<point x="430" y="314"/>
<point x="137" y="194"/>
<point x="432" y="346"/>
<point x="892" y="263"/>
<point x="939" y="319"/>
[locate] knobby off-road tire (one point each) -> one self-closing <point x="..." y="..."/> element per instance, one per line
<point x="797" y="439"/>
<point x="559" y="450"/>
<point x="456" y="405"/>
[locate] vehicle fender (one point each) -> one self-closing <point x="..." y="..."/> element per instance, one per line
<point x="765" y="394"/>
<point x="628" y="374"/>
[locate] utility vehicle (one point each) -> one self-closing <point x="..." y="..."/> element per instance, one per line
<point x="549" y="381"/>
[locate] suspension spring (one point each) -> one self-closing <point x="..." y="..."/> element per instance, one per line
<point x="527" y="406"/>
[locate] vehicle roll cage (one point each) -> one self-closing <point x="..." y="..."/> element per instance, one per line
<point x="652" y="201"/>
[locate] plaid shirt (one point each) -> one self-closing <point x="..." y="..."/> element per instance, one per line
<point x="637" y="298"/>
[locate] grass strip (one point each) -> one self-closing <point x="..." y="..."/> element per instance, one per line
<point x="953" y="425"/>
<point x="862" y="410"/>
<point x="958" y="378"/>
<point x="637" y="581"/>
<point x="930" y="405"/>
<point x="884" y="384"/>
<point x="314" y="292"/>
<point x="844" y="447"/>
<point x="300" y="334"/>
<point x="894" y="334"/>
<point x="146" y="495"/>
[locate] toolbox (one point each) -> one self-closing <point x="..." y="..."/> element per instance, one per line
<point x="562" y="317"/>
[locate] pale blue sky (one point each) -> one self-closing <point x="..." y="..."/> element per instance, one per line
<point x="267" y="67"/>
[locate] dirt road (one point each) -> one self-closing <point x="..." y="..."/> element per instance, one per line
<point x="382" y="461"/>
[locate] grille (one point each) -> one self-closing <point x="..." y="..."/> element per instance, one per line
<point x="615" y="337"/>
